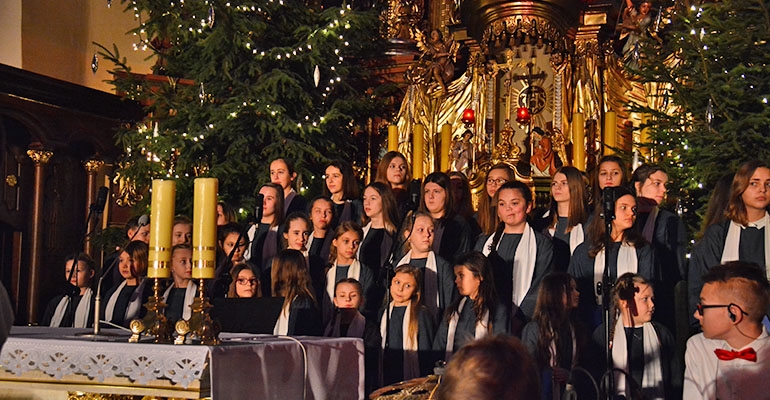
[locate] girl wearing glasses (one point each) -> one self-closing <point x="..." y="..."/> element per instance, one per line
<point x="245" y="283"/>
<point x="627" y="252"/>
<point x="743" y="235"/>
<point x="487" y="214"/>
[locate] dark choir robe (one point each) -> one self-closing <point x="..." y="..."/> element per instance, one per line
<point x="671" y="366"/>
<point x="466" y="327"/>
<point x="392" y="362"/>
<point x="582" y="269"/>
<point x="708" y="253"/>
<point x="403" y="202"/>
<point x="372" y="297"/>
<point x="319" y="247"/>
<point x="350" y="210"/>
<point x="265" y="244"/>
<point x="68" y="320"/>
<point x="178" y="301"/>
<point x="502" y="263"/>
<point x="445" y="285"/>
<point x="530" y="337"/>
<point x="562" y="241"/>
<point x="304" y="318"/>
<point x="669" y="242"/>
<point x="129" y="298"/>
<point x="375" y="248"/>
<point x="452" y="237"/>
<point x="294" y="202"/>
<point x="316" y="267"/>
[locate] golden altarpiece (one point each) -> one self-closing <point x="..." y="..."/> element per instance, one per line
<point x="535" y="84"/>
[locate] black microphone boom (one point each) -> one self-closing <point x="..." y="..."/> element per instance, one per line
<point x="101" y="200"/>
<point x="144" y="220"/>
<point x="415" y="189"/>
<point x="258" y="210"/>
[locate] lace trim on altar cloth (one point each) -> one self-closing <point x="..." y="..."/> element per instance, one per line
<point x="140" y="363"/>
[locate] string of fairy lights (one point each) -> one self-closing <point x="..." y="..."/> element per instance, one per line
<point x="196" y="28"/>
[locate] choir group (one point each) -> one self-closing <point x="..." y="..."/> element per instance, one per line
<point x="420" y="275"/>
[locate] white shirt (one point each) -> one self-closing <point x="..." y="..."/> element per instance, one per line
<point x="707" y="377"/>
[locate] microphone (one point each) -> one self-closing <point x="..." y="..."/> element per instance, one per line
<point x="144" y="220"/>
<point x="415" y="189"/>
<point x="608" y="201"/>
<point x="101" y="200"/>
<point x="260" y="203"/>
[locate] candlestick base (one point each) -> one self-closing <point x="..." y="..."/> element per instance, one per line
<point x="155" y="322"/>
<point x="202" y="327"/>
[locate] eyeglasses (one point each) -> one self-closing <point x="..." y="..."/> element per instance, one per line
<point x="700" y="307"/>
<point x="498" y="181"/>
<point x="244" y="281"/>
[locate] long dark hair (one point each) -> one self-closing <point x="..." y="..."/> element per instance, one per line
<point x="552" y="316"/>
<point x="443" y="181"/>
<point x="350" y="190"/>
<point x="596" y="196"/>
<point x="481" y="268"/>
<point x="578" y="200"/>
<point x="736" y="208"/>
<point x="597" y="231"/>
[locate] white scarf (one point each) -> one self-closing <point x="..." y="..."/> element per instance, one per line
<point x="411" y="360"/>
<point x="355" y="330"/>
<point x="354" y="271"/>
<point x="81" y="313"/>
<point x="482" y="328"/>
<point x="430" y="281"/>
<point x="653" y="373"/>
<point x="282" y="325"/>
<point x="189" y="296"/>
<point x="576" y="235"/>
<point x="132" y="311"/>
<point x="523" y="262"/>
<point x="627" y="262"/>
<point x="731" y="250"/>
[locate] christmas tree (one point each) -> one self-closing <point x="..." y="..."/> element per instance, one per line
<point x="246" y="82"/>
<point x="710" y="68"/>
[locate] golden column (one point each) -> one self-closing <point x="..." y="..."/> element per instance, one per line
<point x="92" y="167"/>
<point x="40" y="157"/>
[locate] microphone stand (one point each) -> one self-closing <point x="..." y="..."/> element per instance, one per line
<point x="605" y="287"/>
<point x="98" y="299"/>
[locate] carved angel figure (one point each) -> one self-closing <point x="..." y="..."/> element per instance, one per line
<point x="436" y="65"/>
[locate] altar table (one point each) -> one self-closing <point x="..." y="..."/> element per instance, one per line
<point x="244" y="366"/>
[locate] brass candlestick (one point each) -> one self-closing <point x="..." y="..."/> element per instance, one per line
<point x="200" y="326"/>
<point x="155" y="322"/>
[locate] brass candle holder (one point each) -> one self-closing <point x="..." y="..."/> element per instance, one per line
<point x="155" y="322"/>
<point x="200" y="328"/>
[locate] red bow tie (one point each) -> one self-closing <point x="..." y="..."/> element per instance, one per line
<point x="746" y="354"/>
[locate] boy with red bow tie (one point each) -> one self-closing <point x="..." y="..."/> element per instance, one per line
<point x="731" y="358"/>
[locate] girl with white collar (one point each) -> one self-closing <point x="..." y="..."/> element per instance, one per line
<point x="520" y="256"/>
<point x="180" y="294"/>
<point x="347" y="238"/>
<point x="438" y="289"/>
<point x="380" y="223"/>
<point x="75" y="309"/>
<point x="124" y="301"/>
<point x="627" y="251"/>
